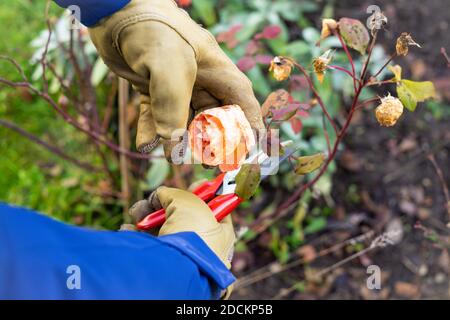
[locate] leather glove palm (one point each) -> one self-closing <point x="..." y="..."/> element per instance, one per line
<point x="175" y="64"/>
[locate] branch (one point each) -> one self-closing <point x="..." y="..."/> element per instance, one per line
<point x="444" y="53"/>
<point x="49" y="147"/>
<point x="385" y="65"/>
<point x="349" y="56"/>
<point x="442" y="180"/>
<point x="69" y="119"/>
<point x="346" y="71"/>
<point x="313" y="89"/>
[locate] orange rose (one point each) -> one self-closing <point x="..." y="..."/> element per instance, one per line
<point x="221" y="137"/>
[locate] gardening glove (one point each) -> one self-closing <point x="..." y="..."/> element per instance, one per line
<point x="176" y="65"/>
<point x="187" y="212"/>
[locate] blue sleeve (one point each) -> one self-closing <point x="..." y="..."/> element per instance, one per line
<point x="92" y="11"/>
<point x="41" y="258"/>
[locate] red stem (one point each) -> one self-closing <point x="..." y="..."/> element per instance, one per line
<point x="349" y="56"/>
<point x="313" y="89"/>
<point x="343" y="70"/>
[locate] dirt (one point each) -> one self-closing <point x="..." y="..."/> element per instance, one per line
<point x="385" y="177"/>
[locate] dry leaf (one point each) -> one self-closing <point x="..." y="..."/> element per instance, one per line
<point x="407" y="290"/>
<point x="309" y="164"/>
<point x="247" y="180"/>
<point x="307" y="253"/>
<point x="275" y="100"/>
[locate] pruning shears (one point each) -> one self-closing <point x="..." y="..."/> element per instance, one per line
<point x="218" y="193"/>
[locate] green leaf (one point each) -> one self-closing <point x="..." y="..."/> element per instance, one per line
<point x="354" y="34"/>
<point x="158" y="172"/>
<point x="316" y="225"/>
<point x="205" y="10"/>
<point x="247" y="180"/>
<point x="308" y="164"/>
<point x="412" y="92"/>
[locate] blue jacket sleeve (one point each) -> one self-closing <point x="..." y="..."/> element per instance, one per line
<point x="41" y="258"/>
<point x="92" y="11"/>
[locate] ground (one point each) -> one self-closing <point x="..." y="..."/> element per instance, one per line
<point x="384" y="177"/>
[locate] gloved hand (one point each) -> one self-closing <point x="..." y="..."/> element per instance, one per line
<point x="187" y="212"/>
<point x="175" y="64"/>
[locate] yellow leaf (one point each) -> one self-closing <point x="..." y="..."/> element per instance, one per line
<point x="397" y="71"/>
<point x="309" y="164"/>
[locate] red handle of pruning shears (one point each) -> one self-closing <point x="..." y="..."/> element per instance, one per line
<point x="221" y="205"/>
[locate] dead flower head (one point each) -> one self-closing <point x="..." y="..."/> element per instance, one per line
<point x="281" y="68"/>
<point x="389" y="111"/>
<point x="320" y="64"/>
<point x="376" y="21"/>
<point x="403" y="42"/>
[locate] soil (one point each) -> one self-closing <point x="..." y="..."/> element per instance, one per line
<point x="385" y="177"/>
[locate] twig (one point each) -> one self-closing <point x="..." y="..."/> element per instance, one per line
<point x="349" y="56"/>
<point x="444" y="53"/>
<point x="257" y="276"/>
<point x="385" y="65"/>
<point x="365" y="102"/>
<point x="344" y="70"/>
<point x="325" y="133"/>
<point x="369" y="55"/>
<point x="49" y="147"/>
<point x="382" y="241"/>
<point x="442" y="180"/>
<point x="42" y="61"/>
<point x="313" y="89"/>
<point x="16" y="65"/>
<point x="124" y="140"/>
<point x="69" y="119"/>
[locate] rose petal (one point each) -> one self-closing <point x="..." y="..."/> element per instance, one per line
<point x="221" y="136"/>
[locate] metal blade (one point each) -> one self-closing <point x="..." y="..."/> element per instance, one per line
<point x="229" y="181"/>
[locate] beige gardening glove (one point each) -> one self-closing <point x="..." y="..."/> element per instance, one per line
<point x="175" y="64"/>
<point x="187" y="212"/>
